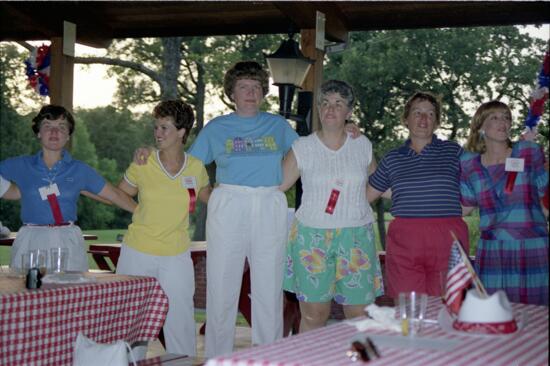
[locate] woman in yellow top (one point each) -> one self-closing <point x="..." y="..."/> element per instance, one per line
<point x="157" y="242"/>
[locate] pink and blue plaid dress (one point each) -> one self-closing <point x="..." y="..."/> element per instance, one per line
<point x="512" y="253"/>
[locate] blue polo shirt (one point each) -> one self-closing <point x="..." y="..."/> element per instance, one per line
<point x="425" y="184"/>
<point x="30" y="173"/>
<point x="248" y="150"/>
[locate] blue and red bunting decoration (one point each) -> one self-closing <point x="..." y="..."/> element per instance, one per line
<point x="540" y="95"/>
<point x="37" y="69"/>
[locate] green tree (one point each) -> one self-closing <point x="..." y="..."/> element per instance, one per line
<point x="92" y="214"/>
<point x="116" y="133"/>
<point x="14" y="88"/>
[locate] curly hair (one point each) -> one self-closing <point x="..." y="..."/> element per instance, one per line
<point x="245" y="70"/>
<point x="52" y="112"/>
<point x="476" y="142"/>
<point x="421" y="95"/>
<point x="181" y="113"/>
<point x="340" y="87"/>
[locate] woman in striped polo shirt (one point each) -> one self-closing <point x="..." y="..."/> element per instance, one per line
<point x="423" y="176"/>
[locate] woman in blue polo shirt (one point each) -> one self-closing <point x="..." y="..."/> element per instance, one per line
<point x="423" y="176"/>
<point x="50" y="183"/>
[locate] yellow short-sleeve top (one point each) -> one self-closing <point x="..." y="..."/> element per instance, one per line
<point x="160" y="222"/>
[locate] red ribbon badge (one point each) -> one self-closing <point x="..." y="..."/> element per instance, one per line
<point x="510" y="180"/>
<point x="54" y="206"/>
<point x="192" y="199"/>
<point x="332" y="201"/>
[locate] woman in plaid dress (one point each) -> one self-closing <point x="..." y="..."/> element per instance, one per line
<point x="507" y="181"/>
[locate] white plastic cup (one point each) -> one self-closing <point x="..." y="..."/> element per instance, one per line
<point x="59" y="259"/>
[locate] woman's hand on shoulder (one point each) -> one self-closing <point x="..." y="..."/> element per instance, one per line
<point x="142" y="154"/>
<point x="352" y="129"/>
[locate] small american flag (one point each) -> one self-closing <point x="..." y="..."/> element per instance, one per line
<point x="459" y="278"/>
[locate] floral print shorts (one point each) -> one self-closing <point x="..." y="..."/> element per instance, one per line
<point x="339" y="264"/>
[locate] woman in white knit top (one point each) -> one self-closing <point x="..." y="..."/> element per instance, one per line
<point x="331" y="252"/>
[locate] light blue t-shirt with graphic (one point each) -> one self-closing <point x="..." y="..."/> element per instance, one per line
<point x="248" y="150"/>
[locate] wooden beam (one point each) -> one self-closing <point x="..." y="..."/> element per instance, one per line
<point x="303" y="14"/>
<point x="61" y="75"/>
<point x="314" y="78"/>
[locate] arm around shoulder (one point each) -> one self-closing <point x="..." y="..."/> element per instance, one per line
<point x="291" y="173"/>
<point x="204" y="193"/>
<point x="373" y="194"/>
<point x="119" y="197"/>
<point x="12" y="193"/>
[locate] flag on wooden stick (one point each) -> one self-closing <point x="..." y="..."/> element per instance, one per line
<point x="459" y="279"/>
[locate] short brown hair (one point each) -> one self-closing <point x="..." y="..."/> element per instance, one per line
<point x="181" y="112"/>
<point x="52" y="112"/>
<point x="421" y="95"/>
<point x="245" y="70"/>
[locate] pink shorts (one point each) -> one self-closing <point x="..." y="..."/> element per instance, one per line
<point x="417" y="253"/>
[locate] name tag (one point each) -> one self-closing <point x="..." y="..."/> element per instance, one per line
<point x="189" y="182"/>
<point x="514" y="165"/>
<point x="48" y="190"/>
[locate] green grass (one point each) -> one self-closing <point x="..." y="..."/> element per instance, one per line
<point x="200" y="317"/>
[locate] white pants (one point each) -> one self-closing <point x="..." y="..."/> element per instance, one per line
<point x="44" y="237"/>
<point x="177" y="279"/>
<point x="244" y="222"/>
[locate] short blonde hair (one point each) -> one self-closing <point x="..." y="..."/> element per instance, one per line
<point x="476" y="142"/>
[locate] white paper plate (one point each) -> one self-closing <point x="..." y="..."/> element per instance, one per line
<point x="446" y="323"/>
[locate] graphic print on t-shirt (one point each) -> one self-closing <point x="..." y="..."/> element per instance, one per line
<point x="239" y="145"/>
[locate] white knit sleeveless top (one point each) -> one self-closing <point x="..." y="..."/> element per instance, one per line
<point x="323" y="170"/>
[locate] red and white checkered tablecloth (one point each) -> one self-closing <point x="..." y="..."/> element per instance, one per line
<point x="328" y="346"/>
<point x="39" y="327"/>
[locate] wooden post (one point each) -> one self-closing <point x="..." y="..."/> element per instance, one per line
<point x="314" y="78"/>
<point x="61" y="75"/>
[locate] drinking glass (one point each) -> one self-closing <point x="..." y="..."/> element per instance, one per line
<point x="412" y="308"/>
<point x="41" y="260"/>
<point x="59" y="259"/>
<point x="28" y="261"/>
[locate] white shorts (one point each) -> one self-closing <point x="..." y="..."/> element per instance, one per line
<point x="45" y="237"/>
